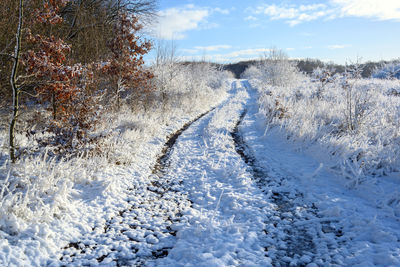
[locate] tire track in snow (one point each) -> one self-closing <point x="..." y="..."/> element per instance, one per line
<point x="162" y="162"/>
<point x="292" y="230"/>
<point x="142" y="231"/>
<point x="225" y="223"/>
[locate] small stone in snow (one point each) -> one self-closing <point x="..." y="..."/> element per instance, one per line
<point x="305" y="259"/>
<point x="151" y="239"/>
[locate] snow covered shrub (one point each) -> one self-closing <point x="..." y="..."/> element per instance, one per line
<point x="188" y="85"/>
<point x="184" y="85"/>
<point x="388" y="71"/>
<point x="218" y="76"/>
<point x="356" y="101"/>
<point x="323" y="76"/>
<point x="355" y="124"/>
<point x="277" y="70"/>
<point x="252" y="72"/>
<point x="274" y="69"/>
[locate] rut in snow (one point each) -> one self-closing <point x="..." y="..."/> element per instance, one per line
<point x="297" y="243"/>
<point x="162" y="163"/>
<point x="138" y="241"/>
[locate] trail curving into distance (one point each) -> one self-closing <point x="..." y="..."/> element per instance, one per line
<point x="215" y="199"/>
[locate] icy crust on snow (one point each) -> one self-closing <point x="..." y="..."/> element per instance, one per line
<point x="349" y="226"/>
<point x="62" y="205"/>
<point x="224" y="225"/>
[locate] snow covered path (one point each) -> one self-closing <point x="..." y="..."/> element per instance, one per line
<point x="224" y="193"/>
<point x="257" y="201"/>
<point x="242" y="214"/>
<point x="224" y="225"/>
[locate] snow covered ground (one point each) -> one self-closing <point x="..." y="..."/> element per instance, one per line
<point x="225" y="192"/>
<point x="282" y="208"/>
<point x="349" y="225"/>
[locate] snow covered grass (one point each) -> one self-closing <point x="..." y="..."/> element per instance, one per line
<point x="47" y="201"/>
<point x="353" y="124"/>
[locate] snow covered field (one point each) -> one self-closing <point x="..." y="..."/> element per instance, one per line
<point x="228" y="192"/>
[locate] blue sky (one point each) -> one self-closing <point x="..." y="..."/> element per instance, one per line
<point x="234" y="30"/>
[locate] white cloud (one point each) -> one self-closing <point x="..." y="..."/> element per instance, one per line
<point x="222" y="11"/>
<point x="293" y="15"/>
<point x="276" y="12"/>
<point x="311" y="7"/>
<point x="174" y="22"/>
<point x="212" y="47"/>
<point x="382" y="9"/>
<point x="296" y="14"/>
<point x="250" y="18"/>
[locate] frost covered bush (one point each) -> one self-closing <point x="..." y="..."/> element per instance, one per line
<point x="275" y="69"/>
<point x="188" y="85"/>
<point x="252" y="72"/>
<point x="388" y="71"/>
<point x="354" y="121"/>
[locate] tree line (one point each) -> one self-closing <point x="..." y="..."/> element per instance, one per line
<point x="308" y="66"/>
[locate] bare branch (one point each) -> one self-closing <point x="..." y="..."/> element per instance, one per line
<point x="24" y="77"/>
<point x="7" y="55"/>
<point x="25" y="92"/>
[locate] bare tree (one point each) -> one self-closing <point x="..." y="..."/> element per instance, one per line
<point x="15" y="90"/>
<point x="89" y="24"/>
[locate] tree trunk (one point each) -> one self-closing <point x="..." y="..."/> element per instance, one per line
<point x="54" y="105"/>
<point x="13" y="75"/>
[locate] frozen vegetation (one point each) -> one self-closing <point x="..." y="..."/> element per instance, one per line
<point x="388" y="71"/>
<point x="277" y="169"/>
<point x="354" y="122"/>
